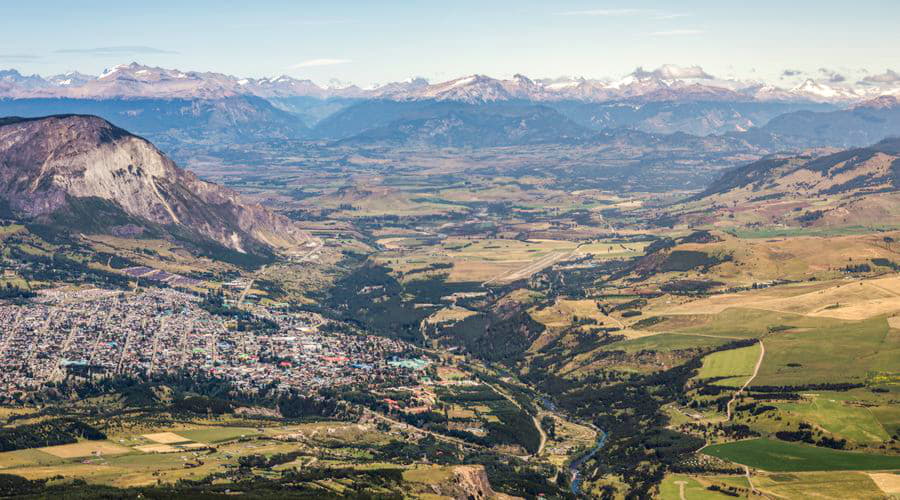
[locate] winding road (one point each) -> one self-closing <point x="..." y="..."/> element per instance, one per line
<point x="762" y="353"/>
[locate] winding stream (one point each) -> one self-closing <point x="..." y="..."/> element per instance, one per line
<point x="577" y="463"/>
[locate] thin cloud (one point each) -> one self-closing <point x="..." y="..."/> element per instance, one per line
<point x="677" y="33"/>
<point x="313" y="63"/>
<point x="790" y="72"/>
<point x="672" y="15"/>
<point x="674" y="72"/>
<point x="888" y="77"/>
<point x="19" y="57"/>
<point x="117" y="50"/>
<point x="648" y="13"/>
<point x="832" y="76"/>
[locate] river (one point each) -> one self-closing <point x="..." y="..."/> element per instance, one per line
<point x="577" y="463"/>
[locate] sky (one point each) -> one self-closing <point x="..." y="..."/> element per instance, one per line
<point x="378" y="41"/>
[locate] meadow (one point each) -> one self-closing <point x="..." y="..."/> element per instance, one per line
<point x="735" y="364"/>
<point x="782" y="456"/>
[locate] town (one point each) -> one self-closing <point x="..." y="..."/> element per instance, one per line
<point x="98" y="332"/>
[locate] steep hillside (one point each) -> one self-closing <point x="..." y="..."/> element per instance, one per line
<point x="85" y="174"/>
<point x="869" y="169"/>
<point x="856" y="187"/>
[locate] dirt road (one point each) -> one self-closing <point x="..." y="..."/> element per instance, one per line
<point x="762" y="354"/>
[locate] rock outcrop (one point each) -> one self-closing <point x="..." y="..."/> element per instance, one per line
<point x="48" y="165"/>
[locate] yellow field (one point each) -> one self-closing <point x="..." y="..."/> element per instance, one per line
<point x="429" y="475"/>
<point x="610" y="250"/>
<point x="460" y="412"/>
<point x="21" y="458"/>
<point x="486" y="260"/>
<point x="850" y="300"/>
<point x="894" y="322"/>
<point x="85" y="449"/>
<point x="157" y="448"/>
<point x="837" y="485"/>
<point x="887" y="482"/>
<point x="165" y="438"/>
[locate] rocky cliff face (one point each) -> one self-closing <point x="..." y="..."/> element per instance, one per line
<point x="468" y="482"/>
<point x="48" y="163"/>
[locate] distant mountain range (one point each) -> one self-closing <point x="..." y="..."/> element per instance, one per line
<point x="82" y="174"/>
<point x="665" y="84"/>
<point x="175" y="108"/>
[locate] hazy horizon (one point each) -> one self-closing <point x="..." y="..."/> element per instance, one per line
<point x="374" y="44"/>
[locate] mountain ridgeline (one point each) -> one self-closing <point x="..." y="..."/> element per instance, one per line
<point x="178" y="109"/>
<point x="81" y="173"/>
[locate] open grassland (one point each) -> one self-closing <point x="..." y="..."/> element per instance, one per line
<point x="838" y="299"/>
<point x="846" y="420"/>
<point x="165" y="437"/>
<point x="563" y="312"/>
<point x="799" y="349"/>
<point x="474" y="259"/>
<point x="605" y="250"/>
<point x="144" y="464"/>
<point x="366" y="201"/>
<point x="781" y="456"/>
<point x="158" y="254"/>
<point x="85" y="449"/>
<point x="217" y="434"/>
<point x="740" y="323"/>
<point x="693" y="487"/>
<point x="793" y="258"/>
<point x="736" y="364"/>
<point x="18" y="458"/>
<point x="889" y="483"/>
<point x="836" y="485"/>
<point x="889" y="418"/>
<point x="664" y="342"/>
<point x="836" y="351"/>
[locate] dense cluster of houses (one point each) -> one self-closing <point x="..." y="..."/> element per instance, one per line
<point x="97" y="332"/>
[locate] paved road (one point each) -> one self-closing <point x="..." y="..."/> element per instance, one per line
<point x="762" y="354"/>
<point x="533" y="417"/>
<point x="535" y="266"/>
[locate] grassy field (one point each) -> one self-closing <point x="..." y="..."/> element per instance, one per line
<point x="474" y="259"/>
<point x="855" y="423"/>
<point x="736" y="364"/>
<point x="669" y="489"/>
<point x="781" y="456"/>
<point x="563" y="311"/>
<point x="217" y="434"/>
<point x="85" y="449"/>
<point x="837" y="485"/>
<point x="832" y="351"/>
<point x="664" y="342"/>
<point x="122" y="465"/>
